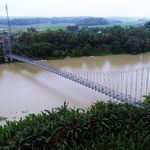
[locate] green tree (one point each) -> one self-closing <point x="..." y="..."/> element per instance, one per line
<point x="87" y="50"/>
<point x="115" y="47"/>
<point x="133" y="45"/>
<point x="147" y="25"/>
<point x="72" y="28"/>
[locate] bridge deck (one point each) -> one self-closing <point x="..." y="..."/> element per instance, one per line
<point x="90" y="84"/>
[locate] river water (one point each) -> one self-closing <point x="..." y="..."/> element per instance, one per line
<point x="26" y="89"/>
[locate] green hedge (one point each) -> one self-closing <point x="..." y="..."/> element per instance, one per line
<point x="103" y="126"/>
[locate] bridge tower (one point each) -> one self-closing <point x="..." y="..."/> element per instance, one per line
<point x="6" y="47"/>
<point x="5" y="40"/>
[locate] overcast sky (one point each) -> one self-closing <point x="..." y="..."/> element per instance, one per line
<point x="98" y="8"/>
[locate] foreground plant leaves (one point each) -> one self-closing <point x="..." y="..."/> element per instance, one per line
<point x="102" y="126"/>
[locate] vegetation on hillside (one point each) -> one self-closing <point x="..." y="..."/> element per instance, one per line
<point x="102" y="126"/>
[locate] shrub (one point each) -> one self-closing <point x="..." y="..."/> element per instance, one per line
<point x="102" y="126"/>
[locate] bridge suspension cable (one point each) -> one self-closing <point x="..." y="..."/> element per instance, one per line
<point x="128" y="86"/>
<point x="85" y="82"/>
<point x="132" y="82"/>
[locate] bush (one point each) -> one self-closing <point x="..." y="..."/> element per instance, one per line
<point x="102" y="126"/>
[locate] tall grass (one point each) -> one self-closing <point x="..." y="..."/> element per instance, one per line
<point x="102" y="126"/>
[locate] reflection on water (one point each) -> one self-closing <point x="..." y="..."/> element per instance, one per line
<point x="26" y="89"/>
<point x="104" y="63"/>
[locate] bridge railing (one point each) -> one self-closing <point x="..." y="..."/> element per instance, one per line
<point x="124" y="86"/>
<point x="132" y="82"/>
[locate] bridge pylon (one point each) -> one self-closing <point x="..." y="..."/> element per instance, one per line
<point x="6" y="47"/>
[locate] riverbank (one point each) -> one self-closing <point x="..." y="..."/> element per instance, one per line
<point x="103" y="125"/>
<point x="64" y="57"/>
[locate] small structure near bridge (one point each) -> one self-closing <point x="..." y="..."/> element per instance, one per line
<point x="5" y="45"/>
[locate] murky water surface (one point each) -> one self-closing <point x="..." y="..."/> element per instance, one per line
<point x="26" y="89"/>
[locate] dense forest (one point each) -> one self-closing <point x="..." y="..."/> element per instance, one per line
<point x="84" y="42"/>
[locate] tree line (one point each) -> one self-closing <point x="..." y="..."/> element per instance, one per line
<point x="85" y="41"/>
<point x="60" y="20"/>
<point x="76" y="42"/>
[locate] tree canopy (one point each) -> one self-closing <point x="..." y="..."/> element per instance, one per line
<point x="84" y="41"/>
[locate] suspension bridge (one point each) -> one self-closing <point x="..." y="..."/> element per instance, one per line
<point x="128" y="86"/>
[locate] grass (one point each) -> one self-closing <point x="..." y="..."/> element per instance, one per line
<point x="50" y="27"/>
<point x="110" y="125"/>
<point x="39" y="28"/>
<point x="45" y="27"/>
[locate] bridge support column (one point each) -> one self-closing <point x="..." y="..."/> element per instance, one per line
<point x="6" y="47"/>
<point x="6" y="59"/>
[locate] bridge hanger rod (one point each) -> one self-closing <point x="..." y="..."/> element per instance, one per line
<point x="8" y="20"/>
<point x="112" y="72"/>
<point x="9" y="30"/>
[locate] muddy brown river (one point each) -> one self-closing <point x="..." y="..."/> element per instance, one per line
<point x="26" y="89"/>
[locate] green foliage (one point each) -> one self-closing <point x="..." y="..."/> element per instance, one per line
<point x="102" y="126"/>
<point x="2" y="118"/>
<point x="147" y="25"/>
<point x="85" y="42"/>
<point x="72" y="28"/>
<point x="93" y="21"/>
<point x="1" y="56"/>
<point x="147" y="100"/>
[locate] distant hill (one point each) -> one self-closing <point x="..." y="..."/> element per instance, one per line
<point x="83" y="21"/>
<point x="60" y="20"/>
<point x="93" y="21"/>
<point x="32" y="21"/>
